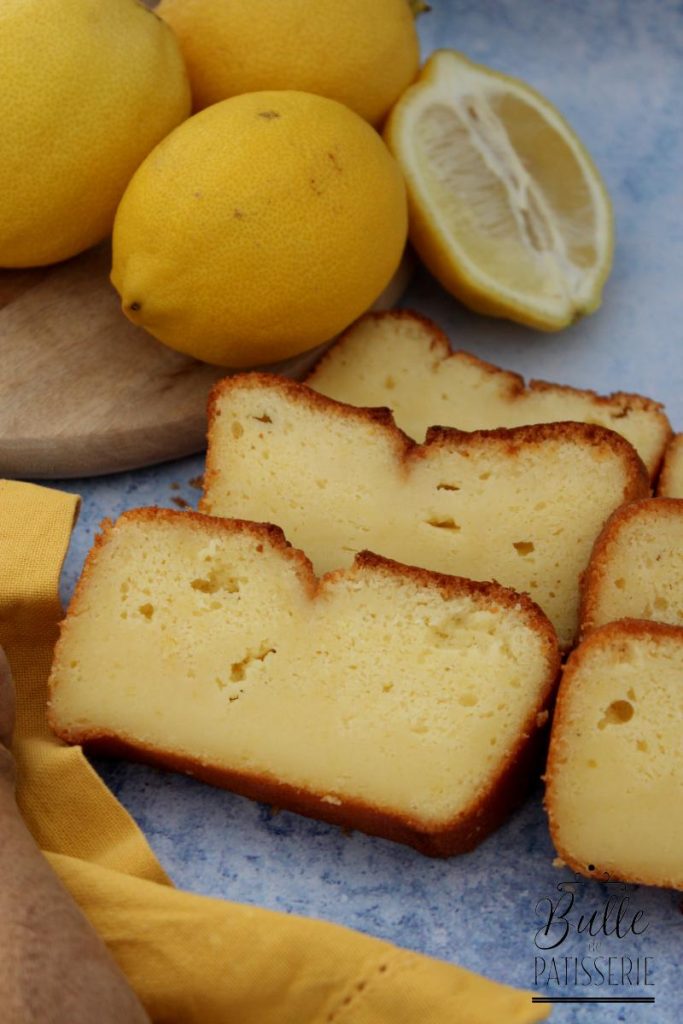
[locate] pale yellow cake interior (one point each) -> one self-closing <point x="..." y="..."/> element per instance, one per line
<point x="615" y="793"/>
<point x="671" y="482"/>
<point x="190" y="640"/>
<point x="640" y="575"/>
<point x="389" y="360"/>
<point x="336" y="484"/>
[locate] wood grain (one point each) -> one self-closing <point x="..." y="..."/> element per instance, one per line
<point x="83" y="391"/>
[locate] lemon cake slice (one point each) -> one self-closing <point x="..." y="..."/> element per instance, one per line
<point x="403" y="361"/>
<point x="614" y="781"/>
<point x="384" y="698"/>
<point x="520" y="506"/>
<point x="636" y="569"/>
<point x="671" y="479"/>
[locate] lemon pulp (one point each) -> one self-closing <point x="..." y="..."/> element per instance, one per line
<point x="507" y="208"/>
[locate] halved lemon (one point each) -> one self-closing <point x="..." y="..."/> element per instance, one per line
<point x="508" y="210"/>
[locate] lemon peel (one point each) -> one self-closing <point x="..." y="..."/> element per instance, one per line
<point x="507" y="208"/>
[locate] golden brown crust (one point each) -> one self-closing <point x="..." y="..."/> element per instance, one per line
<point x="673" y="453"/>
<point x="260" y="379"/>
<point x="496" y="594"/>
<point x="600" y="637"/>
<point x="598" y="568"/>
<point x="536" y="433"/>
<point x="504" y="792"/>
<point x="266" y="532"/>
<point x="381" y="418"/>
<point x="439" y="343"/>
<point x="449" y="586"/>
<point x="514" y="384"/>
<point x="459" y="836"/>
<point x="637" y="479"/>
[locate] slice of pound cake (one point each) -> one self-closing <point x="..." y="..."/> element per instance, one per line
<point x="671" y="479"/>
<point x="519" y="506"/>
<point x="636" y="570"/>
<point x="614" y="782"/>
<point x="403" y="361"/>
<point x="384" y="698"/>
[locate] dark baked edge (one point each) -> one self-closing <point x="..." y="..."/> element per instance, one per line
<point x="618" y="629"/>
<point x="463" y="833"/>
<point x="598" y="568"/>
<point x="674" y="450"/>
<point x="515" y="384"/>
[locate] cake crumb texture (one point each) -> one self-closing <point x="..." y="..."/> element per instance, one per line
<point x="614" y="781"/>
<point x="520" y="506"/>
<point x="381" y="697"/>
<point x="636" y="570"/>
<point x="403" y="360"/>
<point x="671" y="478"/>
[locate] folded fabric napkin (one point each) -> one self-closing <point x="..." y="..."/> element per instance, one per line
<point x="192" y="960"/>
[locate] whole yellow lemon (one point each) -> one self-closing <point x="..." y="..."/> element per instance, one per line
<point x="364" y="53"/>
<point x="88" y="89"/>
<point x="259" y="228"/>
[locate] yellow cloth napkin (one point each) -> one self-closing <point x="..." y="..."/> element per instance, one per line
<point x="192" y="960"/>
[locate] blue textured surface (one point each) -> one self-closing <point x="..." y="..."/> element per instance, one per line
<point x="615" y="68"/>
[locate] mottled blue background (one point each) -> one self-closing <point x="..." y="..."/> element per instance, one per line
<point x="615" y="68"/>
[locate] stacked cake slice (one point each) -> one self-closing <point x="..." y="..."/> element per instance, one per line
<point x="403" y="361"/>
<point x="671" y="479"/>
<point x="404" y="692"/>
<point x="380" y="697"/>
<point x="522" y="506"/>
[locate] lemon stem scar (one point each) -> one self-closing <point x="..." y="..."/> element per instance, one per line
<point x="419" y="7"/>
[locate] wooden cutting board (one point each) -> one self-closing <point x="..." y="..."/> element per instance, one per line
<point x="83" y="391"/>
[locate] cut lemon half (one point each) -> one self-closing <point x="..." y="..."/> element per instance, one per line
<point x="508" y="210"/>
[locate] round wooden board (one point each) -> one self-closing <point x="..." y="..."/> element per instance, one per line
<point x="84" y="392"/>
